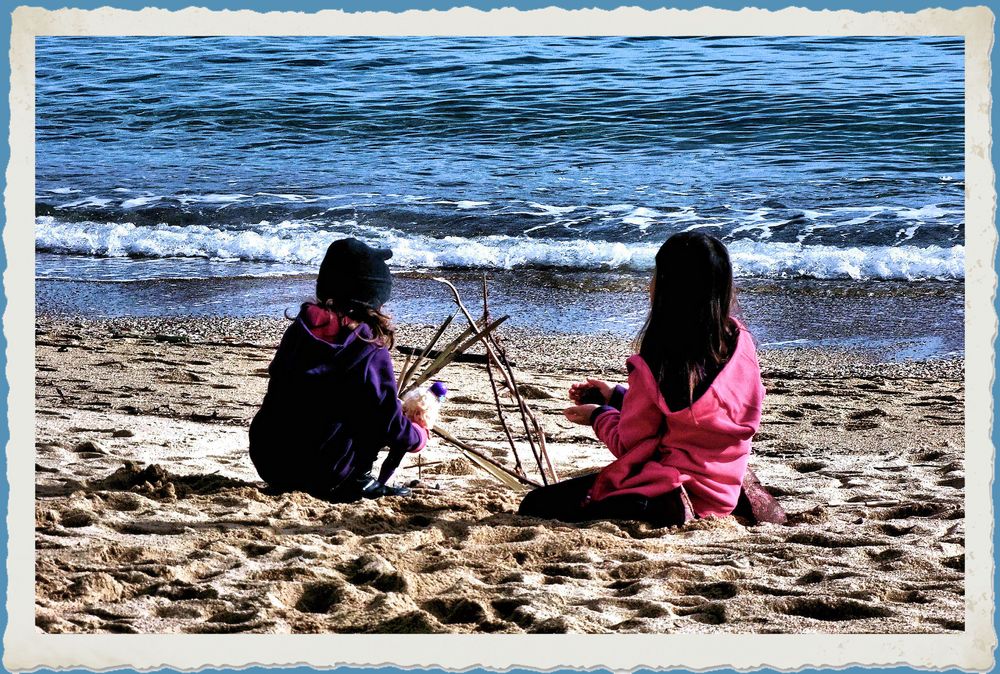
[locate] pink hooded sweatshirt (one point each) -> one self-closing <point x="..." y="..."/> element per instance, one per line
<point x="704" y="447"/>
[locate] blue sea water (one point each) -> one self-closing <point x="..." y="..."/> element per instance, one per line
<point x="828" y="158"/>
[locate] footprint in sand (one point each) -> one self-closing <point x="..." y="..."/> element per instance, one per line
<point x="712" y="613"/>
<point x="580" y="571"/>
<point x="517" y="610"/>
<point x="258" y="549"/>
<point x="77" y="517"/>
<point x="414" y="622"/>
<point x="96" y="587"/>
<point x="875" y="412"/>
<point x="182" y="611"/>
<point x="377" y="572"/>
<point x="957" y="562"/>
<point x="179" y="591"/>
<point x="907" y="597"/>
<point x="320" y="597"/>
<point x="722" y="590"/>
<point x="630" y="588"/>
<point x="453" y="610"/>
<point x="832" y="609"/>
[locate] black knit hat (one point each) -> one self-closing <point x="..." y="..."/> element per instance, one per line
<point x="353" y="271"/>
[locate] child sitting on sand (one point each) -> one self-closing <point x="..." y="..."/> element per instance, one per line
<point x="681" y="431"/>
<point x="331" y="403"/>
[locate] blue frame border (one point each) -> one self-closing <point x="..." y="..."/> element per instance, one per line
<point x="399" y="5"/>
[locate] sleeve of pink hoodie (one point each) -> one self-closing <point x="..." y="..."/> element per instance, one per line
<point x="640" y="418"/>
<point x="423" y="438"/>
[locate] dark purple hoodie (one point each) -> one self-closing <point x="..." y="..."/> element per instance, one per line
<point x="331" y="405"/>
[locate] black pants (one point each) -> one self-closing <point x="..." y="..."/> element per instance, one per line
<point x="565" y="501"/>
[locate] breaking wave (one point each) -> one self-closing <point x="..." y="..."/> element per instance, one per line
<point x="304" y="244"/>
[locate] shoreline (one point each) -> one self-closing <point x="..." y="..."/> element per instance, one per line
<point x="889" y="321"/>
<point x="150" y="517"/>
<point x="527" y="347"/>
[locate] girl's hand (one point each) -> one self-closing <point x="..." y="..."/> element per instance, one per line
<point x="577" y="391"/>
<point x="580" y="414"/>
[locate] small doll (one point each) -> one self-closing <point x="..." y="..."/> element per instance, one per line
<point x="421" y="406"/>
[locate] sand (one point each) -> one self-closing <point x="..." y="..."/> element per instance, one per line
<point x="150" y="517"/>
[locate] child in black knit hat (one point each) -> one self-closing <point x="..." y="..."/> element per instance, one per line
<point x="331" y="403"/>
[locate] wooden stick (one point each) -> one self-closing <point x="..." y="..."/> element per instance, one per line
<point x="495" y="339"/>
<point x="510" y="478"/>
<point x="486" y="295"/>
<point x="482" y="333"/>
<point x="528" y="416"/>
<point x="492" y="353"/>
<point x="446" y="352"/>
<point x="518" y="468"/>
<point x="478" y="335"/>
<point x="402" y="371"/>
<point x="427" y="349"/>
<point x="434" y="353"/>
<point x="445" y="358"/>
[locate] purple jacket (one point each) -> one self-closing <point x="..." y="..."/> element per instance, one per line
<point x="331" y="405"/>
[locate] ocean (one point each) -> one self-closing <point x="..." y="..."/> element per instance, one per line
<point x="226" y="165"/>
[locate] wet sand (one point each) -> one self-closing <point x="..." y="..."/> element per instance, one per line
<point x="150" y="517"/>
<point x="895" y="320"/>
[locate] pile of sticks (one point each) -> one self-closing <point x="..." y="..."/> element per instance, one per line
<point x="501" y="375"/>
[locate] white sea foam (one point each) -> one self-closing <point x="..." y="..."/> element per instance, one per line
<point x="614" y="208"/>
<point x="99" y="202"/>
<point x="860" y="220"/>
<point x="929" y="212"/>
<point x="907" y="233"/>
<point x="551" y="210"/>
<point x="756" y="222"/>
<point x="751" y="258"/>
<point x="463" y="205"/>
<point x="641" y="218"/>
<point x="212" y="198"/>
<point x="140" y="201"/>
<point x="296" y="243"/>
<point x="297" y="198"/>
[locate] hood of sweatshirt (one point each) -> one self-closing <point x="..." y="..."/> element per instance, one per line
<point x="729" y="409"/>
<point x="704" y="447"/>
<point x="320" y="343"/>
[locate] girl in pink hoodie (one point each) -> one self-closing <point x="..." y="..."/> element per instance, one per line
<point x="681" y="431"/>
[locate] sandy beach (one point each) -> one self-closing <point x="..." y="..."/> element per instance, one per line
<point x="150" y="517"/>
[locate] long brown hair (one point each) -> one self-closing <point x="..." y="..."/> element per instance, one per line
<point x="689" y="334"/>
<point x="380" y="323"/>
